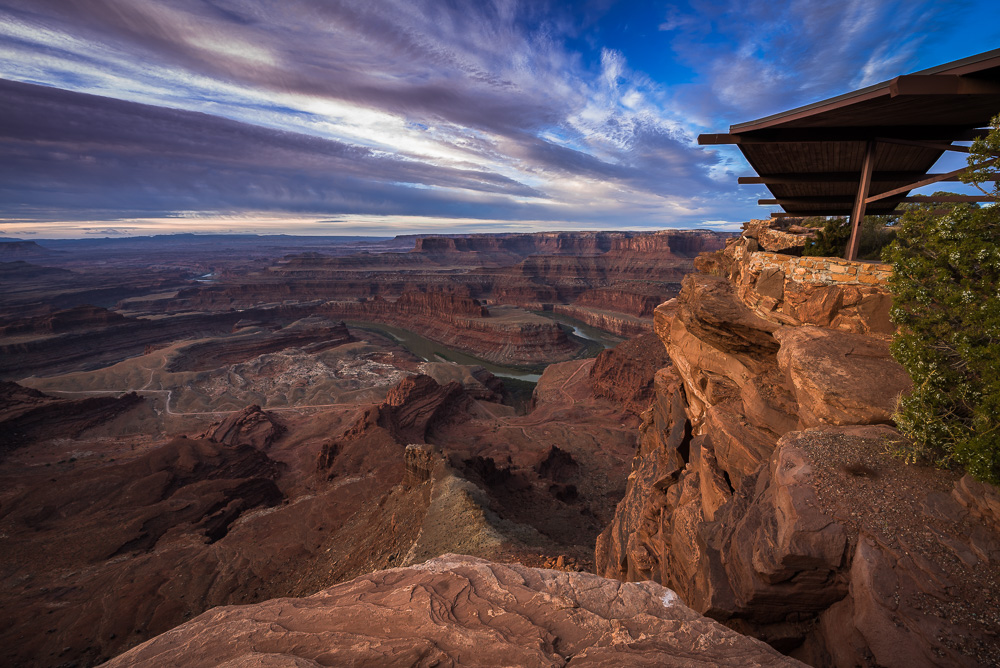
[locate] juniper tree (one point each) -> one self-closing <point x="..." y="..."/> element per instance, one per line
<point x="946" y="272"/>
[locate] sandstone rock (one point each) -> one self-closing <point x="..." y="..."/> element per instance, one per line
<point x="251" y="426"/>
<point x="709" y="309"/>
<point x="980" y="498"/>
<point x="781" y="553"/>
<point x="625" y="373"/>
<point x="716" y="344"/>
<point x="28" y="416"/>
<point x="768" y="404"/>
<point x="111" y="551"/>
<point x="632" y="546"/>
<point x="416" y="404"/>
<point x="663" y="315"/>
<point x="839" y="377"/>
<point x="739" y="447"/>
<point x="419" y="460"/>
<point x="636" y="298"/>
<point x="460" y="611"/>
<point x="609" y="320"/>
<point x="919" y="593"/>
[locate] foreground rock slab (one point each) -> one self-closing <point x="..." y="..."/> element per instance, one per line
<point x="457" y="610"/>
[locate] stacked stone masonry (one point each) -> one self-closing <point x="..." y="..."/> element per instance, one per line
<point x="821" y="291"/>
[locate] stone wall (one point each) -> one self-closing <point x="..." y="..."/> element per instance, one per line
<point x="828" y="270"/>
<point x="822" y="291"/>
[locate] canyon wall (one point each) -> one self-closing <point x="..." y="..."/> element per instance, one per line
<point x="507" y="336"/>
<point x="764" y="489"/>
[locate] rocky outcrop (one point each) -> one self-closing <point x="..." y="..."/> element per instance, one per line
<point x="458" y="610"/>
<point x="764" y="492"/>
<point x="417" y="405"/>
<point x="625" y="373"/>
<point x="28" y="416"/>
<point x="251" y="427"/>
<point x="615" y="322"/>
<point x="636" y="299"/>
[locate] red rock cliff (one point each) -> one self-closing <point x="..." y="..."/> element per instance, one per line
<point x="763" y="490"/>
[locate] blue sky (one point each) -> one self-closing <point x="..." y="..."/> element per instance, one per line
<point x="390" y="116"/>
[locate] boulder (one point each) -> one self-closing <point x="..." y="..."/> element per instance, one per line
<point x="457" y="610"/>
<point x="839" y="377"/>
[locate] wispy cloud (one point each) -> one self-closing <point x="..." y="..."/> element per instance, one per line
<point x="761" y="56"/>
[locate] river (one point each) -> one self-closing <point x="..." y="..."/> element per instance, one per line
<point x="594" y="339"/>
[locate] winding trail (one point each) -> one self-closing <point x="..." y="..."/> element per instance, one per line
<point x="169" y="394"/>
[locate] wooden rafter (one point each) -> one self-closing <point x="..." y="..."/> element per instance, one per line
<point x="928" y="181"/>
<point x="822" y="135"/>
<point x="850" y="177"/>
<point x="941" y="84"/>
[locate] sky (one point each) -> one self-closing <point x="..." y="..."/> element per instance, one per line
<point x="128" y="117"/>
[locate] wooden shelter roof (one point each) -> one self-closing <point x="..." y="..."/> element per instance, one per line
<point x="812" y="158"/>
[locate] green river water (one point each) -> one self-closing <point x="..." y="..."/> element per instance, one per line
<point x="595" y="340"/>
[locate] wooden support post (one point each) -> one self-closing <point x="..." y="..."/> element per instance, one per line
<point x="858" y="212"/>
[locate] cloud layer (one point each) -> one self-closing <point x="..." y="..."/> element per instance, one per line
<point x="472" y="110"/>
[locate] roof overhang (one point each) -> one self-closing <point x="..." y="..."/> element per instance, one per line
<point x="813" y="158"/>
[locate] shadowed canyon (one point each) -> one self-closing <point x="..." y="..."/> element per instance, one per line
<point x="596" y="448"/>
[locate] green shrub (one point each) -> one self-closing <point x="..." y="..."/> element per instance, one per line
<point x="877" y="232"/>
<point x="946" y="269"/>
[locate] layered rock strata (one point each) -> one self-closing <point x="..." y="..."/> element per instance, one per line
<point x="622" y="324"/>
<point x="764" y="489"/>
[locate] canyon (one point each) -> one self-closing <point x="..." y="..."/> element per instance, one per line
<point x="670" y="448"/>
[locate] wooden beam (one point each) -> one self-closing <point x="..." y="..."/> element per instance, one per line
<point x="715" y="139"/>
<point x="944" y="134"/>
<point x="941" y="84"/>
<point x="842" y="211"/>
<point x="949" y="198"/>
<point x="928" y="181"/>
<point x="847" y="177"/>
<point x="793" y="201"/>
<point x="937" y="146"/>
<point x="860" y="201"/>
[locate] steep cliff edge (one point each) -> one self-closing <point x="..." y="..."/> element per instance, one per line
<point x="764" y="490"/>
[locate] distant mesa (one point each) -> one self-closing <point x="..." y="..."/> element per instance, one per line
<point x="10" y="250"/>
